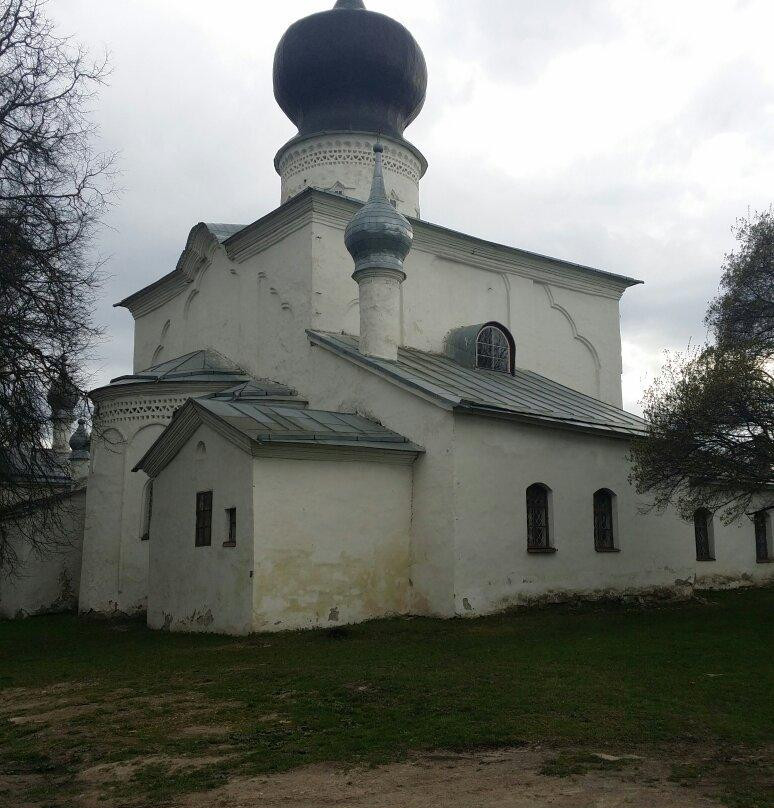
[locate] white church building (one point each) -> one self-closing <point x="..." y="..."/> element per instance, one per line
<point x="342" y="411"/>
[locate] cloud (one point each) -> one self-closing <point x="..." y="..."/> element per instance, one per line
<point x="627" y="136"/>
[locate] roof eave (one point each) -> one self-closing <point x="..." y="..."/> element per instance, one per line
<point x="605" y="430"/>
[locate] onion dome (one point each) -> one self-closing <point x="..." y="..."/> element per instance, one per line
<point x="63" y="395"/>
<point x="378" y="237"/>
<point x="351" y="70"/>
<point x="80" y="442"/>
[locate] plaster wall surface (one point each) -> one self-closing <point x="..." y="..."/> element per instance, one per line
<point x="115" y="559"/>
<point x="253" y="312"/>
<point x="253" y="308"/>
<point x="341" y="386"/>
<point x="331" y="541"/>
<point x="496" y="461"/>
<point x="200" y="589"/>
<point x="571" y="335"/>
<point x="47" y="583"/>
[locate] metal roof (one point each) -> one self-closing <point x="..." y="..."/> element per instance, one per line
<point x="223" y="232"/>
<point x="195" y="367"/>
<point x="524" y="395"/>
<point x="254" y="391"/>
<point x="281" y="422"/>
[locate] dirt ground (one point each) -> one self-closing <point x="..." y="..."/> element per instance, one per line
<point x="506" y="779"/>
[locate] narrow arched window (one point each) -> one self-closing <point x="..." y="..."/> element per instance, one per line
<point x="494" y="349"/>
<point x="538" y="518"/>
<point x="147" y="511"/>
<point x="702" y="529"/>
<point x="604" y="521"/>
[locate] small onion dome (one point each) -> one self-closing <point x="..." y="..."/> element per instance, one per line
<point x="351" y="70"/>
<point x="80" y="442"/>
<point x="378" y="237"/>
<point x="63" y="394"/>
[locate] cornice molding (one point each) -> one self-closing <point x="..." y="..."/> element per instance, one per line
<point x="313" y="205"/>
<point x="336" y="211"/>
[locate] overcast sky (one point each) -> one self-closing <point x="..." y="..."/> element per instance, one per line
<point x="621" y="134"/>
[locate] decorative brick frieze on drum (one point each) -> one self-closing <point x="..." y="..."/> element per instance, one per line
<point x="344" y="165"/>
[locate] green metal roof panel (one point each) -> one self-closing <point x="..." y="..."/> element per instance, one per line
<point x="525" y="393"/>
<point x="266" y="422"/>
<point x="196" y="366"/>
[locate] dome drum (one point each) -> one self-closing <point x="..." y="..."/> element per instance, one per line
<point x="347" y="77"/>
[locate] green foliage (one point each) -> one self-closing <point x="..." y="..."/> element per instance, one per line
<point x="710" y="440"/>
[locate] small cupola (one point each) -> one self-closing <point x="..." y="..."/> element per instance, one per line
<point x="379" y="238"/>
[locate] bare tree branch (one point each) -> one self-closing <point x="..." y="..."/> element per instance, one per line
<point x="53" y="190"/>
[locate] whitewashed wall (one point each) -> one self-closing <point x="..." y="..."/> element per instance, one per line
<point x="47" y="583"/>
<point x="255" y="308"/>
<point x="566" y="330"/>
<point x="331" y="542"/>
<point x="193" y="588"/>
<point x="115" y="559"/>
<point x="341" y="386"/>
<point x="495" y="462"/>
<point x="253" y="312"/>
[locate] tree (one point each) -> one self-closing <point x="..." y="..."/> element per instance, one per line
<point x="53" y="189"/>
<point x="710" y="436"/>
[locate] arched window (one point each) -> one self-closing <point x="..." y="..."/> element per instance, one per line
<point x="702" y="529"/>
<point x="201" y="450"/>
<point x="604" y="521"/>
<point x="495" y="349"/>
<point x="147" y="510"/>
<point x="538" y="519"/>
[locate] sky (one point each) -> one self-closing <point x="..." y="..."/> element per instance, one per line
<point x="626" y="135"/>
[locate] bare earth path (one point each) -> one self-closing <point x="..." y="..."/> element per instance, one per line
<point x="505" y="779"/>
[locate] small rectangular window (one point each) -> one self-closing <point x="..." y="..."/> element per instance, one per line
<point x="204" y="519"/>
<point x="762" y="550"/>
<point x="702" y="528"/>
<point x="231" y="527"/>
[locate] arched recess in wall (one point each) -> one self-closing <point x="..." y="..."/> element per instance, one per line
<point x="106" y="445"/>
<point x="192" y="295"/>
<point x="135" y="487"/>
<point x="579" y="338"/>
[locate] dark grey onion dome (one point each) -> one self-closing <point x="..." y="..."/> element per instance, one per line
<point x="63" y="395"/>
<point x="378" y="237"/>
<point x="80" y="442"/>
<point x="352" y="70"/>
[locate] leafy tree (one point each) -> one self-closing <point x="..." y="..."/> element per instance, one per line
<point x="710" y="438"/>
<point x="53" y="189"/>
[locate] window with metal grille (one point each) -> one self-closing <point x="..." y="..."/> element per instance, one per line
<point x="493" y="350"/>
<point x="538" y="537"/>
<point x="231" y="526"/>
<point x="761" y="521"/>
<point x="204" y="519"/>
<point x="604" y="530"/>
<point x="702" y="528"/>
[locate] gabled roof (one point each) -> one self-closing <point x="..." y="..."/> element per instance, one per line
<point x="260" y="426"/>
<point x="196" y="366"/>
<point x="258" y="391"/>
<point x="526" y="396"/>
<point x="223" y="232"/>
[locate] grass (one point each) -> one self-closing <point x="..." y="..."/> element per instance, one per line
<point x="198" y="709"/>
